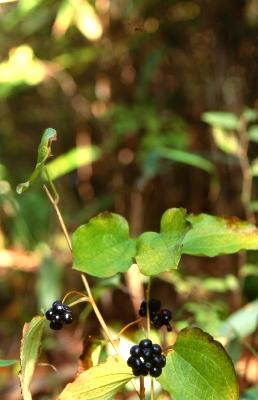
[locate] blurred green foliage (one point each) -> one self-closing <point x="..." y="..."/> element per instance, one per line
<point x="148" y="99"/>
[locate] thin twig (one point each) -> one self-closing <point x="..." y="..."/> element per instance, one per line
<point x="128" y="326"/>
<point x="59" y="216"/>
<point x="148" y="310"/>
<point x="142" y="388"/>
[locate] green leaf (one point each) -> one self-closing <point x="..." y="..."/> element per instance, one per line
<point x="72" y="160"/>
<point x="44" y="152"/>
<point x="8" y="363"/>
<point x="32" y="333"/>
<point x="102" y="247"/>
<point x="160" y="252"/>
<point x="242" y="323"/>
<point x="49" y="282"/>
<point x="220" y="119"/>
<point x="100" y="382"/>
<point x="199" y="368"/>
<point x="188" y="158"/>
<point x="211" y="236"/>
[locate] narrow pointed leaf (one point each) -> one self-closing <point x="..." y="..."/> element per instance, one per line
<point x="100" y="382"/>
<point x="32" y="333"/>
<point x="8" y="363"/>
<point x="44" y="151"/>
<point x="211" y="236"/>
<point x="159" y="252"/>
<point x="102" y="247"/>
<point x="197" y="368"/>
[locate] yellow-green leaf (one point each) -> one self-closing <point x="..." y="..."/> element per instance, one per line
<point x="102" y="247"/>
<point x="44" y="151"/>
<point x="211" y="236"/>
<point x="32" y="333"/>
<point x="160" y="252"/>
<point x="100" y="382"/>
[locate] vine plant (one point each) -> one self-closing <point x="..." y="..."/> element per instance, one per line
<point x="196" y="366"/>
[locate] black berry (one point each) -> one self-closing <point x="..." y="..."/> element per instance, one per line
<point x="155" y="371"/>
<point x="68" y="318"/>
<point x="146" y="358"/>
<point x="49" y="314"/>
<point x="145" y="343"/>
<point x="135" y="350"/>
<point x="58" y="314"/>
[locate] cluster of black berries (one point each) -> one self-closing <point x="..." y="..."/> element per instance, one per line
<point x="146" y="358"/>
<point x="58" y="315"/>
<point x="158" y="316"/>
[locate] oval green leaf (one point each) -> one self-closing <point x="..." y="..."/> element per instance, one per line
<point x="44" y="151"/>
<point x="211" y="236"/>
<point x="32" y="333"/>
<point x="102" y="247"/>
<point x="199" y="368"/>
<point x="160" y="252"/>
<point x="99" y="383"/>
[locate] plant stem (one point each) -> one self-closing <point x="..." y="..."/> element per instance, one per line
<point x="128" y="326"/>
<point x="152" y="394"/>
<point x="84" y="279"/>
<point x="90" y="298"/>
<point x="142" y="388"/>
<point x="152" y="389"/>
<point x="148" y="311"/>
<point x="98" y="314"/>
<point x="59" y="216"/>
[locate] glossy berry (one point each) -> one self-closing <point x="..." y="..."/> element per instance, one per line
<point x="146" y="358"/>
<point x="156" y="349"/>
<point x="135" y="350"/>
<point x="67" y="318"/>
<point x="145" y="343"/>
<point x="165" y="316"/>
<point x="155" y="371"/>
<point x="49" y="314"/>
<point x="59" y="314"/>
<point x="154" y="306"/>
<point x="56" y="326"/>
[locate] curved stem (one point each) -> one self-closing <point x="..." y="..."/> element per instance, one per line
<point x="128" y="326"/>
<point x="72" y="292"/>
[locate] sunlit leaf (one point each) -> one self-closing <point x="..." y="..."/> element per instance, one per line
<point x="187" y="158"/>
<point x="241" y="323"/>
<point x="63" y="19"/>
<point x="72" y="160"/>
<point x="159" y="252"/>
<point x="220" y="119"/>
<point x="8" y="363"/>
<point x="44" y="151"/>
<point x="211" y="236"/>
<point x="197" y="368"/>
<point x="102" y="247"/>
<point x="87" y="20"/>
<point x="22" y="67"/>
<point x="32" y="333"/>
<point x="100" y="382"/>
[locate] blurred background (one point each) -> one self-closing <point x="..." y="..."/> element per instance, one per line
<point x="155" y="105"/>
